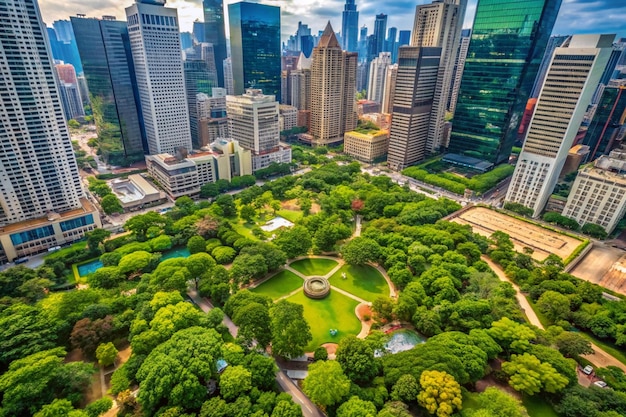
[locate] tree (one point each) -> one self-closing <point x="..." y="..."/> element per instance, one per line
<point x="199" y="264"/>
<point x="554" y="305"/>
<point x="360" y="250"/>
<point x="500" y="404"/>
<point x="227" y="204"/>
<point x="176" y="372"/>
<point x="135" y="262"/>
<point x="290" y="331"/>
<point x="60" y="408"/>
<point x="223" y="254"/>
<point x="356" y="358"/>
<point x="295" y="241"/>
<point x="530" y="376"/>
<point x="320" y="354"/>
<point x="286" y="409"/>
<point x="512" y="336"/>
<point x="247" y="212"/>
<point x="254" y="324"/>
<point x="326" y="384"/>
<point x="106" y="277"/>
<point x="111" y="204"/>
<point x="571" y="345"/>
<point x="440" y="394"/>
<point x="140" y="224"/>
<point x="594" y="230"/>
<point x="160" y="243"/>
<point x="209" y="190"/>
<point x="95" y="238"/>
<point x="263" y="369"/>
<point x="406" y="389"/>
<point x="99" y="407"/>
<point x="87" y="334"/>
<point x="72" y="123"/>
<point x="106" y="354"/>
<point x="235" y="381"/>
<point x="356" y="407"/>
<point x="196" y="244"/>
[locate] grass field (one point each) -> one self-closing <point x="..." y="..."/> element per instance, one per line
<point x="244" y="229"/>
<point x="363" y="281"/>
<point x="291" y="215"/>
<point x="314" y="266"/>
<point x="279" y="285"/>
<point x="538" y="407"/>
<point x="333" y="312"/>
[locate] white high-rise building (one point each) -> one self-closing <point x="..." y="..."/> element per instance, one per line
<point x="572" y="78"/>
<point x="390" y="89"/>
<point x="466" y="35"/>
<point x="253" y="121"/>
<point x="378" y="76"/>
<point x="41" y="201"/>
<point x="439" y="25"/>
<point x="155" y="44"/>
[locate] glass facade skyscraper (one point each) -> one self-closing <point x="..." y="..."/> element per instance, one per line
<point x="255" y="47"/>
<point x="350" y="27"/>
<point x="104" y="49"/>
<point x="603" y="132"/>
<point x="507" y="44"/>
<point x="214" y="33"/>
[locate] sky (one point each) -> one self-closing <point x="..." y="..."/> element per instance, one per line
<point x="575" y="16"/>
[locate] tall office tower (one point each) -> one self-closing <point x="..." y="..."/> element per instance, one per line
<point x="104" y="49"/>
<point x="572" y="77"/>
<point x="214" y="33"/>
<point x="197" y="80"/>
<point x="606" y="128"/>
<point x="350" y="27"/>
<point x="389" y="89"/>
<point x="186" y="40"/>
<point x="404" y="37"/>
<point x="412" y="105"/>
<point x="228" y="76"/>
<point x="155" y="45"/>
<point x="377" y="77"/>
<point x="392" y="36"/>
<point x="363" y="43"/>
<point x="70" y="94"/>
<point x="333" y="90"/>
<point x="362" y="70"/>
<point x="598" y="194"/>
<point x="255" y="47"/>
<point x="439" y="25"/>
<point x="198" y="31"/>
<point x="67" y="44"/>
<point x="507" y="44"/>
<point x="253" y="118"/>
<point x="380" y="29"/>
<point x="553" y="43"/>
<point x="41" y="201"/>
<point x="459" y="64"/>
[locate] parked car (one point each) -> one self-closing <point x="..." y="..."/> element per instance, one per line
<point x="587" y="370"/>
<point x="600" y="384"/>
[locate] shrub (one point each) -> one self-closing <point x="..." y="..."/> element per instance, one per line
<point x="223" y="254"/>
<point x="518" y="208"/>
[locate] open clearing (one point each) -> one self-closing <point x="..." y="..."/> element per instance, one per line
<point x="523" y="234"/>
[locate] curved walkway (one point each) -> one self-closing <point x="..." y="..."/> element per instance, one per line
<point x="599" y="358"/>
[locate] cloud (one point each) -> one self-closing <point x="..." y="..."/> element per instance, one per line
<point x="575" y="16"/>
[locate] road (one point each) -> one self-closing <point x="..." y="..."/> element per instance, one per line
<point x="286" y="384"/>
<point x="600" y="358"/>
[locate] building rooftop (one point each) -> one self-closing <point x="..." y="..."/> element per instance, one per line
<point x="86" y="207"/>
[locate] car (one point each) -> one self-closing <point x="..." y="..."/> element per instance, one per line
<point x="587" y="370"/>
<point x="600" y="384"/>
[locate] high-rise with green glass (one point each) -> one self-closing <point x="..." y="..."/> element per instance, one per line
<point x="507" y="44"/>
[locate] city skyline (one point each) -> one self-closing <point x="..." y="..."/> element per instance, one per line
<point x="601" y="16"/>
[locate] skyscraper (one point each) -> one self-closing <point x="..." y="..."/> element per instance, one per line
<point x="155" y="45"/>
<point x="39" y="173"/>
<point x="508" y="41"/>
<point x="197" y="80"/>
<point x="214" y="33"/>
<point x="255" y="47"/>
<point x="389" y="89"/>
<point x="553" y="43"/>
<point x="412" y="105"/>
<point x="333" y="90"/>
<point x="104" y="49"/>
<point x="377" y="77"/>
<point x="439" y="25"/>
<point x="67" y="44"/>
<point x="70" y="94"/>
<point x="380" y="30"/>
<point x="228" y="76"/>
<point x="350" y="27"/>
<point x="571" y="80"/>
<point x="459" y="64"/>
<point x="603" y="133"/>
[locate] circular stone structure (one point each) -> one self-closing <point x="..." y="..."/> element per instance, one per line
<point x="316" y="287"/>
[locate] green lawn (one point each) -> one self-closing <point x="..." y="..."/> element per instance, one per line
<point x="538" y="407"/>
<point x="280" y="284"/>
<point x="244" y="229"/>
<point x="291" y="215"/>
<point x="333" y="312"/>
<point x="363" y="281"/>
<point x="314" y="266"/>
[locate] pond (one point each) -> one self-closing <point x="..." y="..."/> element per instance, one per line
<point x="93" y="266"/>
<point x="402" y="340"/>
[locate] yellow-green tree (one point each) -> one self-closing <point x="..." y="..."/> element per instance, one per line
<point x="440" y="394"/>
